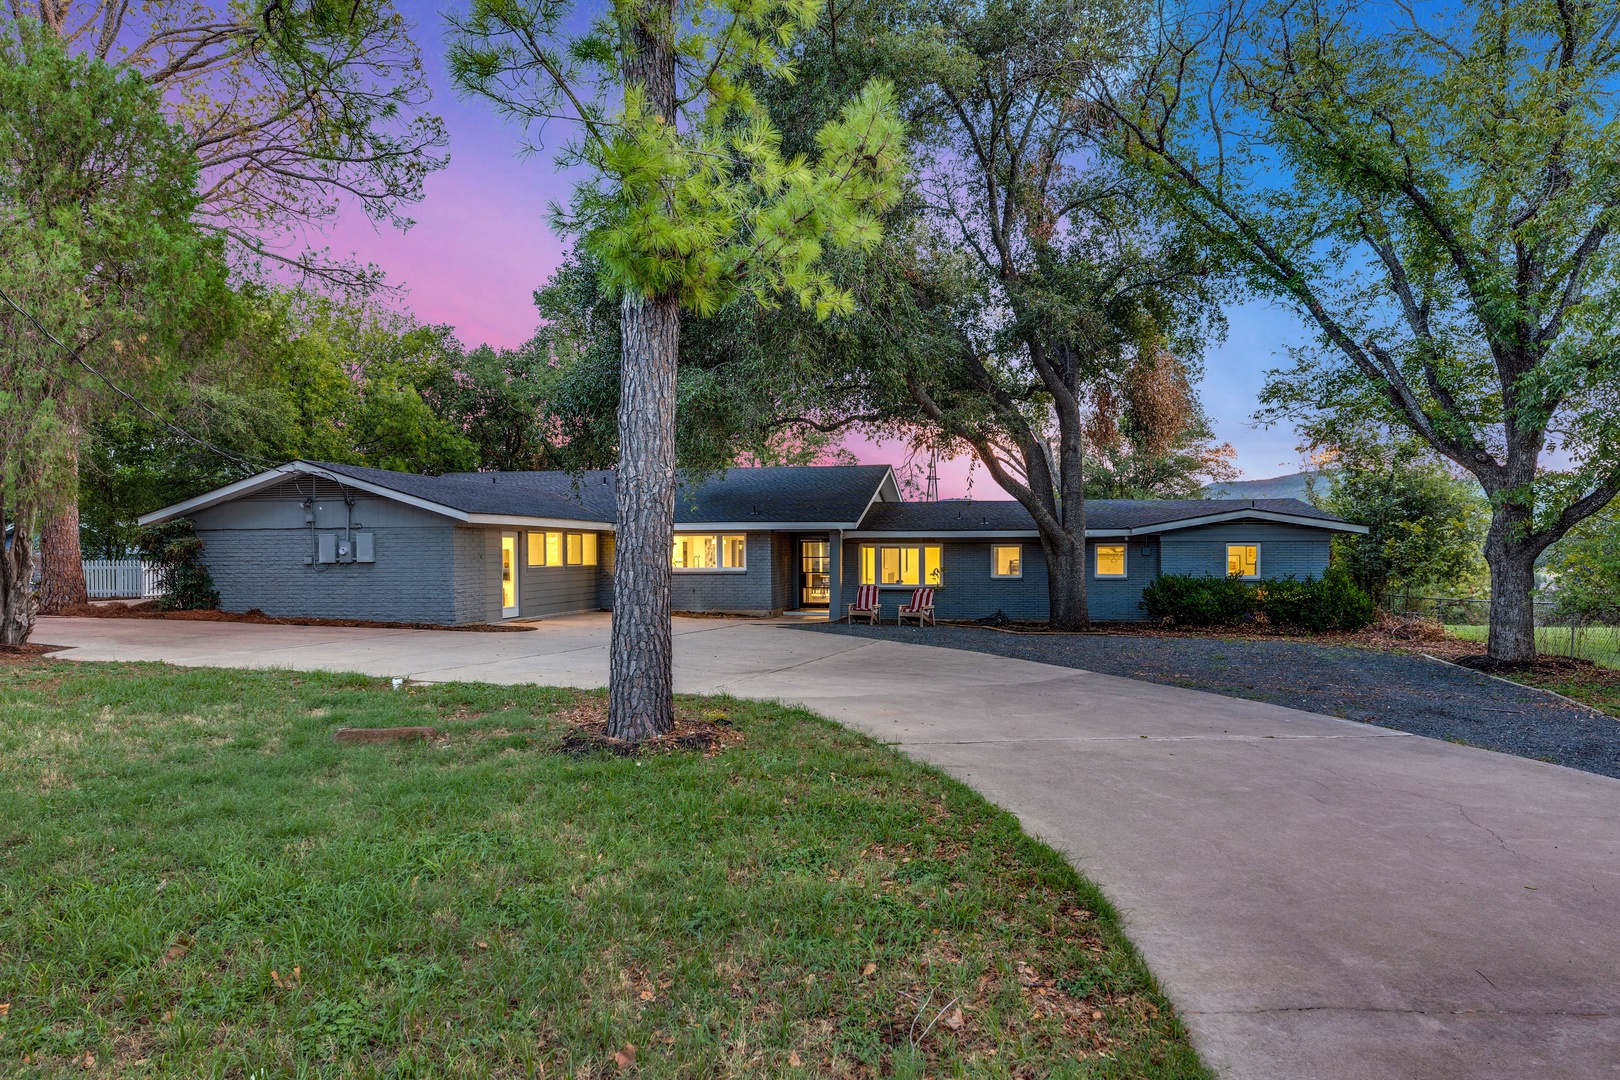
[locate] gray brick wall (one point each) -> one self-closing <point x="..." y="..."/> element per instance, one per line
<point x="969" y="591"/>
<point x="751" y="591"/>
<point x="255" y="550"/>
<point x="1121" y="598"/>
<point x="1285" y="550"/>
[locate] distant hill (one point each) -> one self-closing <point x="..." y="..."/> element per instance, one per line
<point x="1292" y="486"/>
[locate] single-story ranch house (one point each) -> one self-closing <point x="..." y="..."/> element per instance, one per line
<point x="339" y="541"/>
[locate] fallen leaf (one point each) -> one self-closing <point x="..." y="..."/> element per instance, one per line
<point x="646" y="995"/>
<point x="176" y="951"/>
<point x="5" y="1008"/>
<point x="869" y="969"/>
<point x="626" y="1057"/>
<point x="483" y="944"/>
<point x="794" y="1059"/>
<point x="88" y="1061"/>
<point x="1096" y="1016"/>
<point x="955" y="1020"/>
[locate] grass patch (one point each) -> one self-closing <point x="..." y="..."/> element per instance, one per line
<point x="194" y="881"/>
<point x="1599" y="644"/>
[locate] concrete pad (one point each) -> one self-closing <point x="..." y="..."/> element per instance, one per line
<point x="1320" y="898"/>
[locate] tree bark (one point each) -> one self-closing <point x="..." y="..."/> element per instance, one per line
<point x="641" y="684"/>
<point x="1066" y="582"/>
<point x="1513" y="579"/>
<point x="61" y="563"/>
<point x="17" y="607"/>
<point x="641" y="679"/>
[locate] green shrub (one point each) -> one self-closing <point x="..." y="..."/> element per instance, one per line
<point x="176" y="550"/>
<point x="1199" y="601"/>
<point x="1333" y="602"/>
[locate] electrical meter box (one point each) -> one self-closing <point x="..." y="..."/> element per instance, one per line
<point x="365" y="547"/>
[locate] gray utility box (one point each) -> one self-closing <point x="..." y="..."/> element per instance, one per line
<point x="336" y="548"/>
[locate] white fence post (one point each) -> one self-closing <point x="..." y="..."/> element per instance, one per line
<point x="123" y="579"/>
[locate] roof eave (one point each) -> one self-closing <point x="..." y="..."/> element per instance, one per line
<point x="765" y="526"/>
<point x="1273" y="517"/>
<point x="527" y="522"/>
<point x="279" y="474"/>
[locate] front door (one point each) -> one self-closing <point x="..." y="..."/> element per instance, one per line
<point x="509" y="570"/>
<point x="815" y="573"/>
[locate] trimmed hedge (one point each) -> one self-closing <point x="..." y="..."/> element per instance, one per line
<point x="1333" y="602"/>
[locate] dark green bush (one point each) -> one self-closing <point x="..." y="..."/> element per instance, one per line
<point x="1199" y="601"/>
<point x="1334" y="602"/>
<point x="176" y="550"/>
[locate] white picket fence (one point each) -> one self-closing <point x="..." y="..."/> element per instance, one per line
<point x="129" y="579"/>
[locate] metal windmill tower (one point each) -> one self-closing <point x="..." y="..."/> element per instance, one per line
<point x="931" y="494"/>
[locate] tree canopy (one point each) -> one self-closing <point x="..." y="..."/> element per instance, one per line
<point x="1434" y="190"/>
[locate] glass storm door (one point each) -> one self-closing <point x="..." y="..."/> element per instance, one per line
<point x="815" y="573"/>
<point x="509" y="583"/>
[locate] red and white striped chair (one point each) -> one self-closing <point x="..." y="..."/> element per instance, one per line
<point x="866" y="606"/>
<point x="921" y="608"/>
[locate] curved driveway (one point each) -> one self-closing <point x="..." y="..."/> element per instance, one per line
<point x="1320" y="898"/>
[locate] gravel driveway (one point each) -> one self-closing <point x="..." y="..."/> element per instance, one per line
<point x="1393" y="690"/>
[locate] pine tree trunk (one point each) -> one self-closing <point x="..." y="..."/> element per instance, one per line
<point x="61" y="563"/>
<point x="1513" y="580"/>
<point x="16" y="589"/>
<point x="641" y="683"/>
<point x="641" y="679"/>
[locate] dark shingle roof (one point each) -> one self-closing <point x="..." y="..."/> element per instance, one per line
<point x="1101" y="514"/>
<point x="535" y="494"/>
<point x="833" y="493"/>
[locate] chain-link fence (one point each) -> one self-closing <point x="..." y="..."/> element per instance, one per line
<point x="1556" y="634"/>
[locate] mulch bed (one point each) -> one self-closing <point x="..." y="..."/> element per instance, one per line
<point x="707" y="732"/>
<point x="147" y="609"/>
<point x="13" y="653"/>
<point x="1542" y="667"/>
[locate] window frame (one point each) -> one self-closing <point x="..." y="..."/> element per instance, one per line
<point x="1124" y="562"/>
<point x="1017" y="559"/>
<point x="534" y="543"/>
<point x="871" y="565"/>
<point x="1243" y="577"/>
<point x="720" y="547"/>
<point x="588" y="549"/>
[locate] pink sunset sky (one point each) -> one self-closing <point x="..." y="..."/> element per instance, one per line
<point x="483" y="242"/>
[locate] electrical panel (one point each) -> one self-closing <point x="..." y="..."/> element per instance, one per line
<point x="337" y="548"/>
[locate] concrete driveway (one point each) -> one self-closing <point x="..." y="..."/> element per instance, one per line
<point x="1320" y="898"/>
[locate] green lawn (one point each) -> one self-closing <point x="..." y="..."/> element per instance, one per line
<point x="1599" y="644"/>
<point x="194" y="881"/>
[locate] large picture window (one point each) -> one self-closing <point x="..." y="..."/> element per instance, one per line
<point x="1006" y="560"/>
<point x="561" y="549"/>
<point x="1110" y="560"/>
<point x="902" y="564"/>
<point x="708" y="551"/>
<point x="1243" y="560"/>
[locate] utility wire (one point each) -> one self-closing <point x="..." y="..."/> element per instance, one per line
<point x="247" y="463"/>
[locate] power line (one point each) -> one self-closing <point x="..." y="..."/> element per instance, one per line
<point x="247" y="463"/>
